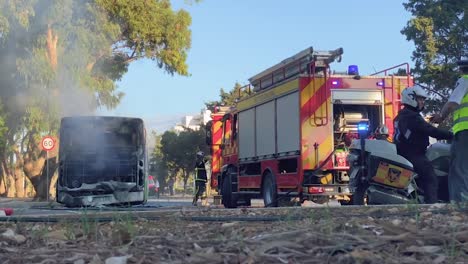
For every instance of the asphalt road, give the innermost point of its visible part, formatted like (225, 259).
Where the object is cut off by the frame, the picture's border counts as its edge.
(28, 207)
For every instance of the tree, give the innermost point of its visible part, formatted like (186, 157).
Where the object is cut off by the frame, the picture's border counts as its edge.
(158, 165)
(74, 52)
(179, 151)
(190, 141)
(229, 98)
(3, 130)
(439, 30)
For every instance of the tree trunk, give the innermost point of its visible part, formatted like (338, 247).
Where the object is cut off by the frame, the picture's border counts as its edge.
(52, 40)
(2, 187)
(42, 181)
(10, 186)
(8, 179)
(2, 182)
(185, 177)
(20, 183)
(52, 184)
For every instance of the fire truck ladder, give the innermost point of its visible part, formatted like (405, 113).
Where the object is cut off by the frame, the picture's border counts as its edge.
(307, 61)
(241, 91)
(394, 82)
(319, 97)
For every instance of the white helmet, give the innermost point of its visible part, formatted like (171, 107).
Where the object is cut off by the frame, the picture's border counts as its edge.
(410, 94)
(200, 153)
(382, 130)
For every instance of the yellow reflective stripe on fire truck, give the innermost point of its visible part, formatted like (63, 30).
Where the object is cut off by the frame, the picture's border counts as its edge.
(310, 90)
(217, 132)
(311, 133)
(268, 95)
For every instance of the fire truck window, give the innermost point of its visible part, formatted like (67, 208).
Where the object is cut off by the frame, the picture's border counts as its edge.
(250, 169)
(208, 136)
(287, 166)
(226, 133)
(346, 117)
(234, 127)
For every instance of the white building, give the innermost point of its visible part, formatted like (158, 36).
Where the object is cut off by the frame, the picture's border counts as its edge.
(194, 121)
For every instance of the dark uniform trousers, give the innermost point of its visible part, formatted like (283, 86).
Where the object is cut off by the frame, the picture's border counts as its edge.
(458, 176)
(427, 179)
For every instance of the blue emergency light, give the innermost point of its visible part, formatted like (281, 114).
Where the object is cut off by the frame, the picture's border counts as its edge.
(363, 127)
(353, 70)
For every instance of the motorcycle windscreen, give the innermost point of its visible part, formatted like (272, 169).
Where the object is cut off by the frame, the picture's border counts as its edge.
(392, 175)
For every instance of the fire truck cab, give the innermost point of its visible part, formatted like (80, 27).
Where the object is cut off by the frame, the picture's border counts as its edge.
(289, 138)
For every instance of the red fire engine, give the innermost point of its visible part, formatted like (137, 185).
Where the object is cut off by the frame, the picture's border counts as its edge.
(214, 138)
(289, 137)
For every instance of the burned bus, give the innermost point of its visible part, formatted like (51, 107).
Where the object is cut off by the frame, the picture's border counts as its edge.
(102, 161)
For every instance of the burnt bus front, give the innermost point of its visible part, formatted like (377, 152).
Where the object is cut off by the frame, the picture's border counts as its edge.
(102, 161)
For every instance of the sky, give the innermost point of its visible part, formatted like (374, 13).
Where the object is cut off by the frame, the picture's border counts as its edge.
(233, 40)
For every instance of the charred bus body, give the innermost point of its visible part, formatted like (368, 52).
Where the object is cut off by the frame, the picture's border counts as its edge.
(102, 161)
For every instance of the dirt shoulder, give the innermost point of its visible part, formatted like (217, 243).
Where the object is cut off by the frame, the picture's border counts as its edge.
(405, 234)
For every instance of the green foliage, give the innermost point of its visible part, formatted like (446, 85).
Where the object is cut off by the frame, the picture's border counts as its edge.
(63, 57)
(179, 150)
(153, 30)
(158, 166)
(3, 127)
(229, 98)
(439, 30)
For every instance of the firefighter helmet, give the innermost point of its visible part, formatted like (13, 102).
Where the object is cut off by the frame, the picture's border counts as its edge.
(382, 130)
(410, 94)
(200, 153)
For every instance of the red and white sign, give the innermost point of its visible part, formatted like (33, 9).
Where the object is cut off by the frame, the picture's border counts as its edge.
(47, 143)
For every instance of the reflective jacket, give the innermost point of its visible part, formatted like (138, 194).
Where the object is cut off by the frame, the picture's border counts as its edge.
(460, 116)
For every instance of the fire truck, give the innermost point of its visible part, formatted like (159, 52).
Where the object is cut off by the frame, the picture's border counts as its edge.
(214, 138)
(289, 138)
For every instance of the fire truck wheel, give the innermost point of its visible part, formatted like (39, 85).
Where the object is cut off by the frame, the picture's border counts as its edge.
(269, 192)
(227, 197)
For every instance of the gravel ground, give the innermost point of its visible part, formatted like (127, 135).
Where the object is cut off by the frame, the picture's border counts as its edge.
(390, 234)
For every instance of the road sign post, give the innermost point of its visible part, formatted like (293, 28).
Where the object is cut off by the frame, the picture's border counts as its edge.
(47, 144)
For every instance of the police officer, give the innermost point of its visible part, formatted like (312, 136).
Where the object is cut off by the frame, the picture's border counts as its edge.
(458, 104)
(200, 178)
(411, 137)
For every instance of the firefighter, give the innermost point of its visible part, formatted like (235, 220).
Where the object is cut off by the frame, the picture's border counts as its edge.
(458, 104)
(381, 133)
(200, 178)
(411, 136)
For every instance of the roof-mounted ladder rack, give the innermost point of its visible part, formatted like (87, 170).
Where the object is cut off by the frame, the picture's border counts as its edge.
(295, 65)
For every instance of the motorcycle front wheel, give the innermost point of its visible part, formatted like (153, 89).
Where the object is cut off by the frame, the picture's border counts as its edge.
(360, 195)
